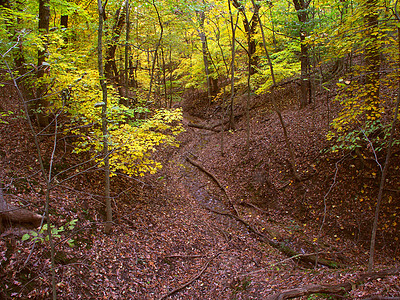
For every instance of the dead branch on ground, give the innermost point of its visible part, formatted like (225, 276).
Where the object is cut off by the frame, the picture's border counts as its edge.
(281, 246)
(337, 289)
(197, 276)
(205, 127)
(198, 165)
(213, 127)
(255, 207)
(182, 256)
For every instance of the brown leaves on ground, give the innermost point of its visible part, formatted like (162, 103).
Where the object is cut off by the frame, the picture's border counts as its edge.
(163, 237)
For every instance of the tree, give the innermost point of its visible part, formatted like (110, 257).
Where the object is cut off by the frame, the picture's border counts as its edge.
(104, 121)
(156, 49)
(302, 14)
(250, 27)
(110, 67)
(292, 160)
(40, 103)
(127, 61)
(233, 54)
(372, 55)
(204, 48)
(387, 159)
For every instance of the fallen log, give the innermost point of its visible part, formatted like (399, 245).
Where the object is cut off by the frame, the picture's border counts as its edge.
(337, 289)
(11, 214)
(274, 241)
(205, 127)
(213, 127)
(281, 246)
(197, 276)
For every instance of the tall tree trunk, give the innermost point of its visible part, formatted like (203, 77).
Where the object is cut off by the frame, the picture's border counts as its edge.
(301, 6)
(385, 168)
(250, 29)
(103, 84)
(48, 178)
(125, 74)
(164, 76)
(292, 160)
(204, 48)
(250, 71)
(156, 50)
(110, 67)
(40, 103)
(170, 77)
(18, 54)
(233, 54)
(64, 24)
(127, 48)
(372, 56)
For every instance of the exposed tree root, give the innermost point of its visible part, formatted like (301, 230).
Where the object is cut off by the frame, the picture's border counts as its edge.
(337, 289)
(197, 276)
(281, 246)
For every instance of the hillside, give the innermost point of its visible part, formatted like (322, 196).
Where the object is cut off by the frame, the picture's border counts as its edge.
(207, 226)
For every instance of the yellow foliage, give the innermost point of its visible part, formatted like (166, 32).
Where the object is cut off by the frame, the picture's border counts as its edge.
(131, 139)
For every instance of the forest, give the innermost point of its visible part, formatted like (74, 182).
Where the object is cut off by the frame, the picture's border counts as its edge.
(205, 149)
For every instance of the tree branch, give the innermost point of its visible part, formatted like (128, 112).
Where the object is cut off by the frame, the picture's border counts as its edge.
(190, 280)
(338, 289)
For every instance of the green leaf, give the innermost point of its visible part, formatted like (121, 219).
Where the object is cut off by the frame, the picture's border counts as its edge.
(26, 237)
(71, 243)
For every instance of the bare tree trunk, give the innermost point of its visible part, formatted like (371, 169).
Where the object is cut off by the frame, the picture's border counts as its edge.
(384, 174)
(250, 29)
(127, 50)
(372, 56)
(64, 24)
(204, 49)
(301, 6)
(249, 72)
(164, 78)
(48, 179)
(156, 51)
(110, 67)
(233, 27)
(103, 84)
(170, 77)
(40, 103)
(18, 55)
(278, 112)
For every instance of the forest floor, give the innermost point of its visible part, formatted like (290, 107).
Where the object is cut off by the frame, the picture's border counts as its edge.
(182, 234)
